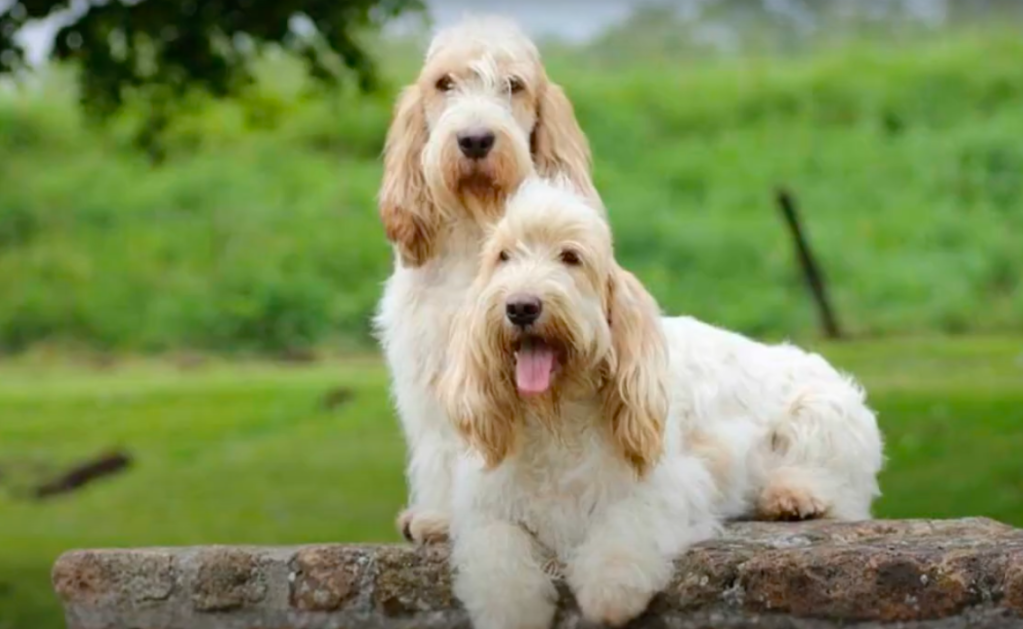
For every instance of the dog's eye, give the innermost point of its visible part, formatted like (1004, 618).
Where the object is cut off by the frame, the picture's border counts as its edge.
(516, 85)
(569, 257)
(503, 256)
(445, 83)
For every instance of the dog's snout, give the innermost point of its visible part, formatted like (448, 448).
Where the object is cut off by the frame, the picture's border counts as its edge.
(523, 310)
(476, 144)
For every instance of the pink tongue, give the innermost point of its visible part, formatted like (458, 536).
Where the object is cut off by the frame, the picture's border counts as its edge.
(533, 367)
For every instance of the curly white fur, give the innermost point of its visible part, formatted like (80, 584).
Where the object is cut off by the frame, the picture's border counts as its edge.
(482, 75)
(614, 439)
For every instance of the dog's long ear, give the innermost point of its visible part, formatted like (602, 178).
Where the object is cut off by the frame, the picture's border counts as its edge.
(474, 390)
(559, 145)
(636, 394)
(410, 217)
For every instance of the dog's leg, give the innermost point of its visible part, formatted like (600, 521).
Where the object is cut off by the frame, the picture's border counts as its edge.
(628, 555)
(821, 458)
(615, 580)
(429, 473)
(500, 577)
(432, 448)
(725, 452)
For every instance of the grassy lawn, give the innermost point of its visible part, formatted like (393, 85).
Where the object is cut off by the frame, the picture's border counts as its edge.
(253, 453)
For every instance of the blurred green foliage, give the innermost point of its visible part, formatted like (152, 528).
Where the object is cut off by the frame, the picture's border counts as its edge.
(710, 28)
(259, 232)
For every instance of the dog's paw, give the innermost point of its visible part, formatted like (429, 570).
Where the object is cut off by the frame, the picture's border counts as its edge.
(612, 604)
(790, 502)
(423, 526)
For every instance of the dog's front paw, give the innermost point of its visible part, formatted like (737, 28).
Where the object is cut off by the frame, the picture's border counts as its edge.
(423, 526)
(612, 603)
(790, 502)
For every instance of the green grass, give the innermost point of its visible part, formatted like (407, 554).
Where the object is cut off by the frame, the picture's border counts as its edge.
(229, 454)
(248, 453)
(260, 232)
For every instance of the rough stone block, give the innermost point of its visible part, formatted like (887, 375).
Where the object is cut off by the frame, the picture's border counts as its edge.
(324, 578)
(227, 579)
(914, 574)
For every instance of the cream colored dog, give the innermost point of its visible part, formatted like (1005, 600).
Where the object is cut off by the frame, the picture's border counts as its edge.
(481, 117)
(613, 439)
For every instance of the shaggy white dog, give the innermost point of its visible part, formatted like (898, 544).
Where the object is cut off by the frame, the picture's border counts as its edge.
(613, 439)
(480, 118)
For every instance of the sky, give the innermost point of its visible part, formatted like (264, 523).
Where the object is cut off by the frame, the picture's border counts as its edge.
(576, 20)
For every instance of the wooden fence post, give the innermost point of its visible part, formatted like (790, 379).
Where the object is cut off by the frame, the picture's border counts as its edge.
(811, 271)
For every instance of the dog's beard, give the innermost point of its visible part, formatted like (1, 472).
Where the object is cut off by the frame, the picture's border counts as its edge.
(478, 181)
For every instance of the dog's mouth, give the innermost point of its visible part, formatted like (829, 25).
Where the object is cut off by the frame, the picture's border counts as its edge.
(536, 361)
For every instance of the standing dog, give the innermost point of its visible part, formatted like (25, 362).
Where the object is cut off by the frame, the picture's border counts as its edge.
(615, 439)
(481, 117)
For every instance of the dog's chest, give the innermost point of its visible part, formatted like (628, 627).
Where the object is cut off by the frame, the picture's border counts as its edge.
(417, 309)
(560, 484)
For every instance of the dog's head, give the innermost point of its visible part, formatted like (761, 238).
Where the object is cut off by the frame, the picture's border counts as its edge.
(481, 117)
(552, 317)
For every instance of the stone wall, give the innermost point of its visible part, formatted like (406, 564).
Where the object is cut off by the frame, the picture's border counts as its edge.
(914, 573)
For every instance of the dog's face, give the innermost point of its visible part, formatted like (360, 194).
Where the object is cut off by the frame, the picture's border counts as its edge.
(542, 295)
(552, 316)
(481, 117)
(480, 108)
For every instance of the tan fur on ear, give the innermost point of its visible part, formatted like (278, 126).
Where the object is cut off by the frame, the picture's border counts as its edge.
(411, 220)
(482, 411)
(636, 394)
(558, 143)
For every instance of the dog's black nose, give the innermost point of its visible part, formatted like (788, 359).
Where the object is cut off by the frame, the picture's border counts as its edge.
(523, 310)
(476, 144)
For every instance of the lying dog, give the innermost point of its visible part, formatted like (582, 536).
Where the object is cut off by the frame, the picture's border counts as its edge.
(613, 438)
